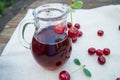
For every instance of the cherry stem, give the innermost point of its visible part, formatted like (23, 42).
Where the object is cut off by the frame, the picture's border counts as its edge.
(75, 70)
(82, 66)
(71, 14)
(71, 20)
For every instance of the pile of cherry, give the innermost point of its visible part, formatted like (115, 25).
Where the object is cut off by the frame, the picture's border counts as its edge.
(73, 31)
(100, 53)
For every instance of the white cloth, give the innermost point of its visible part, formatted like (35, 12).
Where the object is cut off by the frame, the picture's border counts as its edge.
(17, 62)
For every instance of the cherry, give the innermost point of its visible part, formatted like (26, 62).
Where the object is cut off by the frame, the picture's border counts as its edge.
(106, 51)
(64, 75)
(73, 32)
(69, 24)
(77, 25)
(59, 28)
(119, 27)
(118, 78)
(100, 32)
(79, 34)
(99, 52)
(91, 51)
(74, 39)
(101, 60)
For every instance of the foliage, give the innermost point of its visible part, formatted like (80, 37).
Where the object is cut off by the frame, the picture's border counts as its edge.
(5, 4)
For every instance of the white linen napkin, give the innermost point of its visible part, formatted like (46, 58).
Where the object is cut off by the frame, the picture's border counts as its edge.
(17, 62)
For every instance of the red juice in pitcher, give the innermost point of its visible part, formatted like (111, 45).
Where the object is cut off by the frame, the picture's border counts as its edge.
(51, 50)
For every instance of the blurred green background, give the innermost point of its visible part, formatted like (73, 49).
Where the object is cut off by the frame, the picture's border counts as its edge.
(4, 4)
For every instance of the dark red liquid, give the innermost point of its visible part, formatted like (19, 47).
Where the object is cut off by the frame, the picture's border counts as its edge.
(51, 50)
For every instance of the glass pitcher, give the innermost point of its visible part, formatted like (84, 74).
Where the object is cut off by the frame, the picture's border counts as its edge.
(50, 48)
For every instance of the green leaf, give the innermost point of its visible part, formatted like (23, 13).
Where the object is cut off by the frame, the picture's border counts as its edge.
(77, 62)
(77, 4)
(87, 72)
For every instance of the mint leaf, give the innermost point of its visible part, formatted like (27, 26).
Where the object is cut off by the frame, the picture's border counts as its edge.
(87, 72)
(77, 62)
(77, 4)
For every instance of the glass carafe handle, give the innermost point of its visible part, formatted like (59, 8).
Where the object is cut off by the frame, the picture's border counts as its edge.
(21, 34)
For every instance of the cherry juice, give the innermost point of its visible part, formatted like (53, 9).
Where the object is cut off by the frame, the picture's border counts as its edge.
(51, 50)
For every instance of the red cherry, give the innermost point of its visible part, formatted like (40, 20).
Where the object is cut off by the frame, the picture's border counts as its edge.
(101, 60)
(64, 75)
(91, 51)
(106, 51)
(77, 25)
(73, 32)
(80, 33)
(100, 32)
(69, 24)
(59, 28)
(99, 52)
(74, 39)
(118, 78)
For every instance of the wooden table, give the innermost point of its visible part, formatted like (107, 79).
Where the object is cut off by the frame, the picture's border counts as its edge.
(11, 25)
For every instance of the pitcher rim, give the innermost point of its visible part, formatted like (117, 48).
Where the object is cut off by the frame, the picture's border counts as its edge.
(65, 12)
